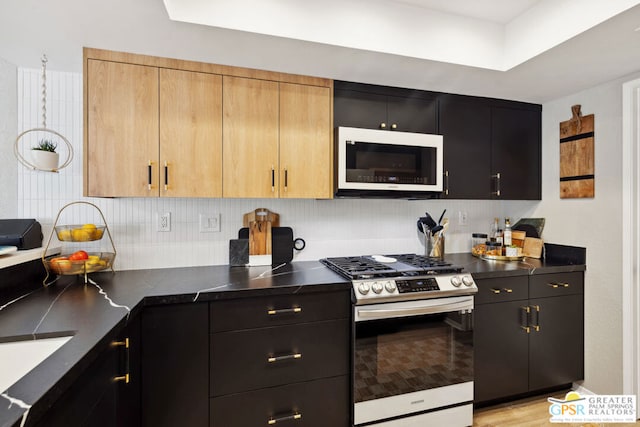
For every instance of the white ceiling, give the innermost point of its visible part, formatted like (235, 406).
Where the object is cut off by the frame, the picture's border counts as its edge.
(595, 49)
(499, 11)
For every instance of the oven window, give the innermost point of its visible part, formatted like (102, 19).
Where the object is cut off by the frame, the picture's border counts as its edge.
(404, 355)
(393, 164)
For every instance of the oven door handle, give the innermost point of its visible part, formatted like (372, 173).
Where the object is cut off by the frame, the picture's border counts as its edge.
(373, 313)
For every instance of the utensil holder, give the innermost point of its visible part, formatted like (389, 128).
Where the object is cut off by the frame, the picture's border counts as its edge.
(437, 246)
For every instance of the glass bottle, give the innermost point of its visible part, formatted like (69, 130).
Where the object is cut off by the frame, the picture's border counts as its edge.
(507, 232)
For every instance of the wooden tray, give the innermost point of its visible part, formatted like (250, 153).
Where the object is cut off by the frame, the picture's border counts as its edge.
(499, 257)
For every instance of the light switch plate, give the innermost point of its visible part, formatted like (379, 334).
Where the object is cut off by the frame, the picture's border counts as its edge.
(209, 223)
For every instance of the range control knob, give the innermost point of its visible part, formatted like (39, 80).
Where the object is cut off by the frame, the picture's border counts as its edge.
(455, 281)
(390, 286)
(363, 288)
(377, 287)
(467, 280)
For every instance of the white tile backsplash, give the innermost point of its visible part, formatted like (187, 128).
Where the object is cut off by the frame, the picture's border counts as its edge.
(330, 227)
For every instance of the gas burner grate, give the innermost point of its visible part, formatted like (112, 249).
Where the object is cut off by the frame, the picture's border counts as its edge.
(358, 267)
(420, 261)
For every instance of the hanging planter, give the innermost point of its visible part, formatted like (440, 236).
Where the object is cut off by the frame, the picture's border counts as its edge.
(43, 155)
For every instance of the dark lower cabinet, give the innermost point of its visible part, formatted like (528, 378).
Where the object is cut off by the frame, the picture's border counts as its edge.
(528, 334)
(175, 365)
(286, 363)
(104, 395)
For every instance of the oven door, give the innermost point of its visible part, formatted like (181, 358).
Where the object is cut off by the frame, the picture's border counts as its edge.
(413, 358)
(393, 161)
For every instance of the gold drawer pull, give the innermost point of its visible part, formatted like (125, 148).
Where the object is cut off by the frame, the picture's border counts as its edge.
(273, 359)
(526, 328)
(124, 343)
(495, 291)
(273, 312)
(558, 285)
(295, 416)
(124, 378)
(507, 290)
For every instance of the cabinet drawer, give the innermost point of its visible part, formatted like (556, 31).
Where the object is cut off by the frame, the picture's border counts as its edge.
(267, 357)
(277, 310)
(501, 289)
(549, 285)
(319, 403)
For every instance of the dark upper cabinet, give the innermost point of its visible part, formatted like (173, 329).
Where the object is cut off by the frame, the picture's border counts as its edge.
(465, 124)
(516, 153)
(379, 107)
(492, 147)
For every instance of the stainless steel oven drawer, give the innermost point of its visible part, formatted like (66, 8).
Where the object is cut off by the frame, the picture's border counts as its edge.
(267, 357)
(320, 403)
(274, 310)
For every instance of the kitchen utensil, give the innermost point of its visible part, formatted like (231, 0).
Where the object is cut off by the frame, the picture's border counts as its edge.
(441, 216)
(239, 251)
(261, 214)
(260, 223)
(436, 229)
(532, 247)
(428, 220)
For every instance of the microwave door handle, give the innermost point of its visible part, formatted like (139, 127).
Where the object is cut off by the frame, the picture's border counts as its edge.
(365, 313)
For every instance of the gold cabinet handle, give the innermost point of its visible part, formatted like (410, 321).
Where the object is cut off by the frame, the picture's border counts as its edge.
(272, 359)
(507, 290)
(394, 126)
(294, 416)
(535, 309)
(383, 125)
(497, 177)
(273, 312)
(149, 175)
(125, 344)
(166, 176)
(286, 179)
(273, 179)
(495, 291)
(446, 183)
(558, 285)
(524, 318)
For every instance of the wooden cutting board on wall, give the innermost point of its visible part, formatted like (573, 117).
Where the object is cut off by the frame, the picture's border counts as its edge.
(577, 156)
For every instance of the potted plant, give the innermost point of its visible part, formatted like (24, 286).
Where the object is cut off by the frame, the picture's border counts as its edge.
(44, 155)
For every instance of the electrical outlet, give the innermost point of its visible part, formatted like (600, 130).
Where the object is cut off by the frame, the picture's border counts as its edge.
(164, 221)
(210, 223)
(462, 218)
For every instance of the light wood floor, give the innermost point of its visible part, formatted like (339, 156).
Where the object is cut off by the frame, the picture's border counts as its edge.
(531, 412)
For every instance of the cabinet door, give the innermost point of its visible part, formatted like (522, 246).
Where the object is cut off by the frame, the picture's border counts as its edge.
(190, 134)
(128, 407)
(250, 137)
(465, 125)
(305, 142)
(121, 141)
(412, 114)
(501, 363)
(556, 350)
(359, 109)
(516, 153)
(175, 365)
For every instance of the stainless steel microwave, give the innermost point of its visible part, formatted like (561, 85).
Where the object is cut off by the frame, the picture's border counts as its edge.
(383, 163)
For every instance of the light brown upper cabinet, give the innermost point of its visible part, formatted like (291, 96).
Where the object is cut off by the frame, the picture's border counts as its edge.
(173, 128)
(122, 130)
(277, 139)
(153, 132)
(190, 134)
(250, 138)
(305, 141)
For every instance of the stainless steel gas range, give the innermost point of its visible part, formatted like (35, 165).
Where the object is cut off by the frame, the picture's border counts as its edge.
(413, 359)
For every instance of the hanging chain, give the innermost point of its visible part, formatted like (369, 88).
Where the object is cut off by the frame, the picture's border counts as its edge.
(44, 91)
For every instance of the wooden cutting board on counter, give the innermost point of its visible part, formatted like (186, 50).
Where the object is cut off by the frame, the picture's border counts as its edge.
(259, 223)
(577, 156)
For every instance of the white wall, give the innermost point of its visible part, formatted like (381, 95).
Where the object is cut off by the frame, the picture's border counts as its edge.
(330, 227)
(592, 223)
(8, 133)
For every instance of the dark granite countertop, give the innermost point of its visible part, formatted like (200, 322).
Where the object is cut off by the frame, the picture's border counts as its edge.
(96, 312)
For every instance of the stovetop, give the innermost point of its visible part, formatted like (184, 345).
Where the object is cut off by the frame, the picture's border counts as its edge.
(380, 266)
(390, 278)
